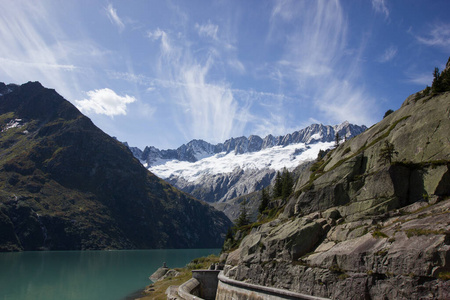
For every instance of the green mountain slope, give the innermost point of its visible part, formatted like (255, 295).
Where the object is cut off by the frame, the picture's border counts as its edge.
(65, 184)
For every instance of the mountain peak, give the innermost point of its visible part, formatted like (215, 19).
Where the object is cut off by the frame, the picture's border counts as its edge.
(199, 149)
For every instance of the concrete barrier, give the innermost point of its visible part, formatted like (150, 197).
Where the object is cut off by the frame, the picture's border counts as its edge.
(190, 290)
(237, 290)
(208, 283)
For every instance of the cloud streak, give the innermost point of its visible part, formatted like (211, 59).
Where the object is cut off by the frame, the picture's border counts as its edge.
(380, 7)
(26, 54)
(209, 30)
(202, 108)
(315, 57)
(111, 12)
(388, 54)
(439, 36)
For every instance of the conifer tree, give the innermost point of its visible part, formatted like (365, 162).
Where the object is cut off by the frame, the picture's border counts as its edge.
(264, 201)
(436, 86)
(387, 113)
(243, 216)
(287, 184)
(336, 140)
(387, 152)
(278, 187)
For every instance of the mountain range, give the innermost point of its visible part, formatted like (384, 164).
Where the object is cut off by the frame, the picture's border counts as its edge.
(220, 173)
(66, 185)
(197, 150)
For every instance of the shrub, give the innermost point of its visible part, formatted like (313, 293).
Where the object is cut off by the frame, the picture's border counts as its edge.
(387, 113)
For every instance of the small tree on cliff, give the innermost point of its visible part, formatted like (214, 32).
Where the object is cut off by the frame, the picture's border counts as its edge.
(287, 184)
(387, 152)
(336, 140)
(278, 187)
(264, 200)
(387, 113)
(243, 220)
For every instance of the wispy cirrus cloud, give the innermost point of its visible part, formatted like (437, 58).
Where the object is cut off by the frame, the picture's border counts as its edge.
(106, 102)
(388, 54)
(159, 34)
(111, 12)
(202, 108)
(209, 29)
(316, 56)
(422, 79)
(380, 7)
(438, 35)
(26, 53)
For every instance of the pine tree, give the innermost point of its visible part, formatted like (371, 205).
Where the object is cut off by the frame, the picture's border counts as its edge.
(243, 216)
(436, 86)
(287, 184)
(387, 113)
(264, 201)
(320, 155)
(278, 187)
(387, 152)
(336, 140)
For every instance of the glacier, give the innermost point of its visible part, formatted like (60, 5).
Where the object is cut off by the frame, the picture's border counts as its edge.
(275, 158)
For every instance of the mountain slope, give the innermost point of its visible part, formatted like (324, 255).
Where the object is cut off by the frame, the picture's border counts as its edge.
(361, 227)
(67, 185)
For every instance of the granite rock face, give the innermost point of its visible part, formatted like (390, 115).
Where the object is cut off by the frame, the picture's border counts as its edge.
(357, 227)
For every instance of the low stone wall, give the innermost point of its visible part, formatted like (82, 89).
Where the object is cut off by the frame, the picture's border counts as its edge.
(238, 290)
(190, 290)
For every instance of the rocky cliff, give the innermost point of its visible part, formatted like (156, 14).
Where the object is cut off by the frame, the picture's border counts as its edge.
(65, 184)
(359, 226)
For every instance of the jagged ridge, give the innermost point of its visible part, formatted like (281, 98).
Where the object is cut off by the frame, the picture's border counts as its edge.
(199, 149)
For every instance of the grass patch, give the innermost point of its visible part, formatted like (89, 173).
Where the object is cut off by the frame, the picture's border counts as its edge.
(444, 276)
(379, 234)
(158, 289)
(418, 232)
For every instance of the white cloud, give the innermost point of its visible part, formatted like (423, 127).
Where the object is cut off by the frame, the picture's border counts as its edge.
(439, 35)
(388, 54)
(104, 101)
(113, 17)
(208, 29)
(380, 7)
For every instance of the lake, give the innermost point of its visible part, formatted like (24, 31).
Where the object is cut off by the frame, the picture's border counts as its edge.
(85, 275)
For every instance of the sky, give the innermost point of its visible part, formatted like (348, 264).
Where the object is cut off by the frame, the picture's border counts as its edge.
(161, 73)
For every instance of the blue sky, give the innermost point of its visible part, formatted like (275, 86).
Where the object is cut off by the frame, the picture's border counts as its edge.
(163, 73)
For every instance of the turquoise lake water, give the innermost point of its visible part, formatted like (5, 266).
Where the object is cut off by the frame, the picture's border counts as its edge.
(85, 275)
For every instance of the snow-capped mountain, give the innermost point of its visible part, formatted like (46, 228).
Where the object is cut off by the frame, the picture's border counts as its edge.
(217, 173)
(197, 150)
